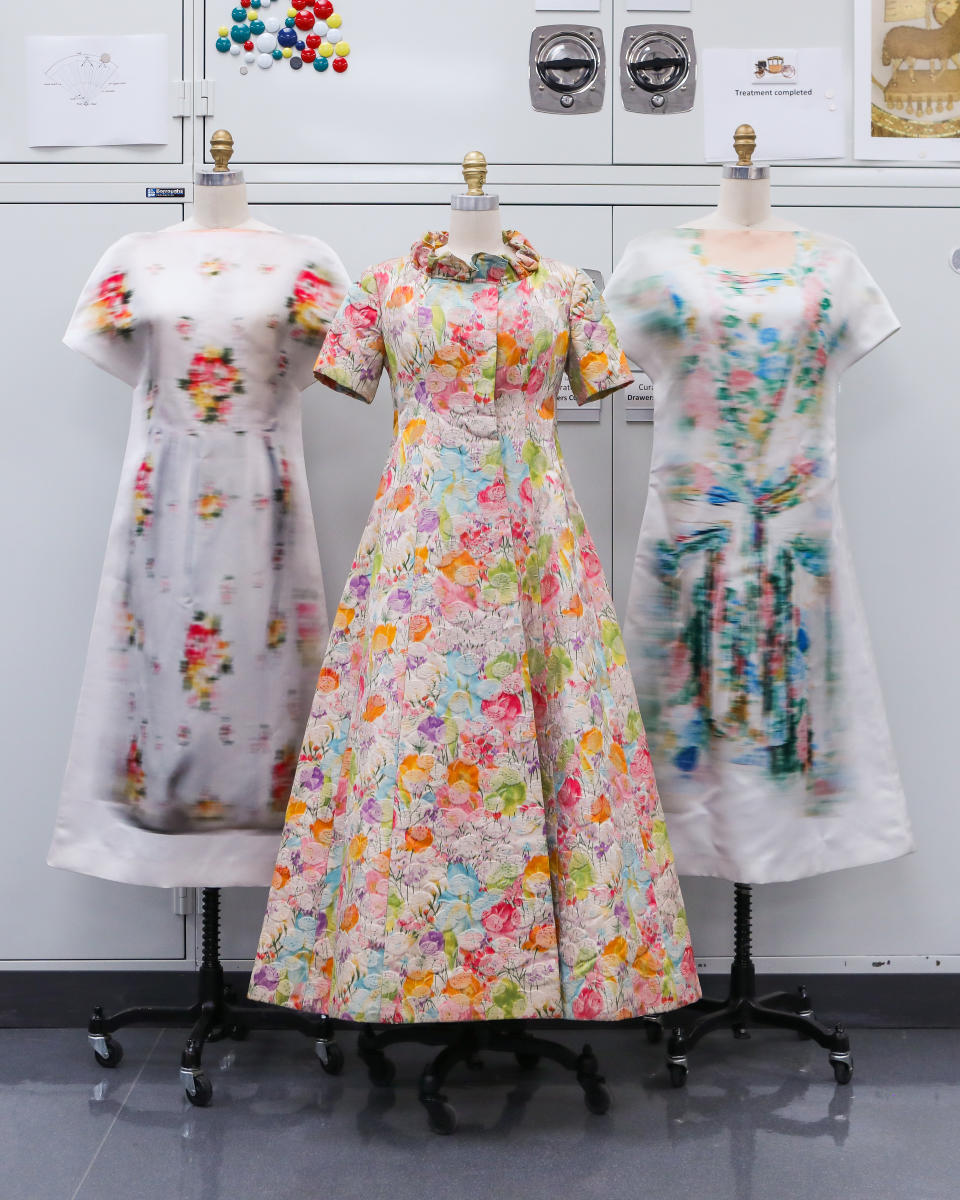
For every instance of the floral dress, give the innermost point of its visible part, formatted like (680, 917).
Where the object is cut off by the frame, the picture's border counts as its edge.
(474, 831)
(744, 625)
(211, 621)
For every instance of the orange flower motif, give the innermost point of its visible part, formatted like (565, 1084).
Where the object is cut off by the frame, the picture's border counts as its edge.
(460, 568)
(420, 626)
(618, 760)
(418, 838)
(463, 983)
(536, 874)
(322, 832)
(400, 296)
(295, 808)
(449, 360)
(594, 366)
(575, 609)
(343, 618)
(646, 962)
(460, 771)
(616, 949)
(547, 408)
(542, 937)
(413, 774)
(328, 681)
(382, 638)
(591, 741)
(420, 560)
(600, 809)
(418, 984)
(350, 917)
(376, 707)
(413, 431)
(402, 498)
(358, 843)
(281, 877)
(509, 353)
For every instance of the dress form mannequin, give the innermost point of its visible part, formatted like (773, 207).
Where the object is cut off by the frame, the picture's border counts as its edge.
(220, 195)
(747, 234)
(474, 217)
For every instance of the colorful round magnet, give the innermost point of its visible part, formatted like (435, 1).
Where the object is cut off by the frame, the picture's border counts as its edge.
(321, 64)
(239, 14)
(266, 42)
(234, 48)
(342, 48)
(287, 51)
(305, 20)
(248, 46)
(340, 64)
(325, 49)
(334, 20)
(323, 9)
(223, 44)
(278, 53)
(296, 62)
(313, 40)
(239, 33)
(265, 60)
(308, 55)
(257, 27)
(273, 24)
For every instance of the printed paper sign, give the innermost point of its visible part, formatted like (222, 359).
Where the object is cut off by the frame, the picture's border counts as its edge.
(110, 90)
(795, 99)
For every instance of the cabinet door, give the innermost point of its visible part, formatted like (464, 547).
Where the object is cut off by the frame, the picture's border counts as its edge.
(347, 442)
(898, 432)
(65, 431)
(678, 138)
(425, 83)
(64, 18)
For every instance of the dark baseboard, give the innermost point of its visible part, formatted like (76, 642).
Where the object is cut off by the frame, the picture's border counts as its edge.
(64, 999)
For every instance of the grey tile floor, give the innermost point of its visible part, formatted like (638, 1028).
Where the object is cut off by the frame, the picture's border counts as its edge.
(759, 1120)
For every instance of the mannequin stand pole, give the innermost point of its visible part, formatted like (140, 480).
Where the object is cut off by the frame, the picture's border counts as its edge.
(216, 1014)
(742, 1007)
(461, 1044)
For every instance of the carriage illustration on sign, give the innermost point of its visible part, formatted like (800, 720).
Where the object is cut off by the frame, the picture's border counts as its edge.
(776, 65)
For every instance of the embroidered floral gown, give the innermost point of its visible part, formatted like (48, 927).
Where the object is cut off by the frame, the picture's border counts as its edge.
(744, 626)
(474, 831)
(211, 621)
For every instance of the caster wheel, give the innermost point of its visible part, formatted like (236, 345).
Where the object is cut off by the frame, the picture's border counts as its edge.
(842, 1070)
(380, 1070)
(596, 1097)
(202, 1092)
(527, 1062)
(441, 1115)
(113, 1056)
(330, 1055)
(654, 1033)
(678, 1074)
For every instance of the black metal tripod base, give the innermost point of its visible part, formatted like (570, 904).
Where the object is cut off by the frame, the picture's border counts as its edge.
(216, 1014)
(463, 1044)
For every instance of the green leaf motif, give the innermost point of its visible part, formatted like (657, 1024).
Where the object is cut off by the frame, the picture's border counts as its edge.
(509, 997)
(536, 461)
(439, 321)
(559, 669)
(504, 663)
(612, 639)
(585, 960)
(581, 874)
(450, 948)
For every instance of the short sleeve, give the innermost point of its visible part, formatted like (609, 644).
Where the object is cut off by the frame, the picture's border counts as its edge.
(863, 317)
(105, 326)
(351, 360)
(318, 288)
(596, 365)
(646, 314)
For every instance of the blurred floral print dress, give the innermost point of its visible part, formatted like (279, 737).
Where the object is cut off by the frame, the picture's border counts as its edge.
(474, 831)
(744, 625)
(211, 621)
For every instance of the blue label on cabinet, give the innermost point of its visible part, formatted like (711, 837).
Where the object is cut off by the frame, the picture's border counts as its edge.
(166, 193)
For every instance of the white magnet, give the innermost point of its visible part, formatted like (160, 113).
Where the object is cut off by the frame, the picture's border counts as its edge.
(250, 56)
(265, 60)
(234, 49)
(273, 24)
(320, 27)
(266, 42)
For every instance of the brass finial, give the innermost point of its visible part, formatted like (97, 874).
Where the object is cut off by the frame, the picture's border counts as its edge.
(744, 142)
(221, 148)
(474, 172)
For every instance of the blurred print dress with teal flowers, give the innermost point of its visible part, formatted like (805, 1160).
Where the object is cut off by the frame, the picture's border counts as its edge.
(211, 619)
(744, 626)
(474, 830)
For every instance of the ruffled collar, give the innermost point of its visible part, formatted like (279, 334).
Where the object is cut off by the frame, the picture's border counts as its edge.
(518, 259)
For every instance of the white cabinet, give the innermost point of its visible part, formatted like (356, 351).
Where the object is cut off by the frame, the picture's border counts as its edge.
(425, 83)
(65, 427)
(899, 427)
(63, 17)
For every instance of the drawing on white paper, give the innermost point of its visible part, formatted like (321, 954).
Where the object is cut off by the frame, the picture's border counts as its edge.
(98, 89)
(84, 76)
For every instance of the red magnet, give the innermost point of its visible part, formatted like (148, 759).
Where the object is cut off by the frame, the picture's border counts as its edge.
(323, 9)
(314, 40)
(305, 20)
(298, 4)
(340, 64)
(248, 45)
(308, 55)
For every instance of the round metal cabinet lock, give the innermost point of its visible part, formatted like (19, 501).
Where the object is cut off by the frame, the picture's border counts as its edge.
(658, 62)
(658, 69)
(566, 69)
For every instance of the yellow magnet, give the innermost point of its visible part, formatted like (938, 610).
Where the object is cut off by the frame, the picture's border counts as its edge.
(325, 49)
(287, 51)
(334, 21)
(291, 12)
(224, 31)
(343, 49)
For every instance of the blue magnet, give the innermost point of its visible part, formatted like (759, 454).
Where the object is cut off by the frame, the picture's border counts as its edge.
(278, 53)
(286, 37)
(239, 33)
(296, 63)
(239, 14)
(223, 45)
(320, 63)
(301, 45)
(256, 28)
